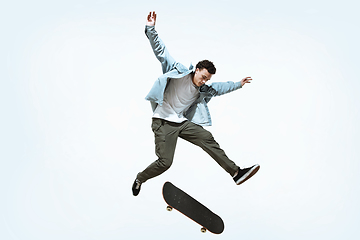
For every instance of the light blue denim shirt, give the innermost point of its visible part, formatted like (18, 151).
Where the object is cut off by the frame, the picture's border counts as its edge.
(198, 112)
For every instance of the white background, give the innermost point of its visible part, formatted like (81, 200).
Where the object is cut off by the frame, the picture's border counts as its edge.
(75, 128)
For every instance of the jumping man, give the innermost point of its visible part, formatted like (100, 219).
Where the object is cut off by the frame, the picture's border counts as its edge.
(179, 102)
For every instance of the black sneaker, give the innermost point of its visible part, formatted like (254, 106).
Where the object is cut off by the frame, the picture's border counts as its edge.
(245, 174)
(136, 187)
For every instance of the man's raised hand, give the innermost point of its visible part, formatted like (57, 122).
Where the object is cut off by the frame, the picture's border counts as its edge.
(246, 80)
(151, 19)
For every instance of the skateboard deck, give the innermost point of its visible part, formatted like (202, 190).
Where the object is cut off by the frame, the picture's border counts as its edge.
(190, 207)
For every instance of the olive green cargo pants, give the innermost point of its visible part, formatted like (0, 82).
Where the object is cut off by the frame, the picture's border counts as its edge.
(166, 135)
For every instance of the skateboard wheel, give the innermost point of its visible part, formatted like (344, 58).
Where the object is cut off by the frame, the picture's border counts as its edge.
(169, 208)
(203, 230)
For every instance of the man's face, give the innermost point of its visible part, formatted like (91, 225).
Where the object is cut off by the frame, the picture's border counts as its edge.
(201, 77)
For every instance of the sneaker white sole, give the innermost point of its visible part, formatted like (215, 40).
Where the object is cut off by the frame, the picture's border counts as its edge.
(248, 175)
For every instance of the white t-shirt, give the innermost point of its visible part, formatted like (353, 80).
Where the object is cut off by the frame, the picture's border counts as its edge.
(178, 97)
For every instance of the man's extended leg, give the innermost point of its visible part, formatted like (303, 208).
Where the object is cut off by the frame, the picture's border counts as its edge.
(201, 137)
(166, 134)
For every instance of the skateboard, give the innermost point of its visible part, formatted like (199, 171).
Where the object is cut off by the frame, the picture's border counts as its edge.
(190, 207)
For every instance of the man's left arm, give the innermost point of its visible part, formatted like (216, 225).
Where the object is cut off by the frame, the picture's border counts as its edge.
(226, 87)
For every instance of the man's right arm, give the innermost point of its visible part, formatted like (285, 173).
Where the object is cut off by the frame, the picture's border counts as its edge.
(158, 46)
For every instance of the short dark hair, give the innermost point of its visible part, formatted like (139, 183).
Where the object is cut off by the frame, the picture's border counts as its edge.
(208, 65)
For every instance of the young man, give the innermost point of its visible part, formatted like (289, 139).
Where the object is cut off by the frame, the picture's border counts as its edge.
(179, 101)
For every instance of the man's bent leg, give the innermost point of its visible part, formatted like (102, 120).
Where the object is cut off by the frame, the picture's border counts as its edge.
(199, 136)
(165, 142)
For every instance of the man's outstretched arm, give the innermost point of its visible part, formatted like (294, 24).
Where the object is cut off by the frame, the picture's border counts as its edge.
(227, 87)
(158, 46)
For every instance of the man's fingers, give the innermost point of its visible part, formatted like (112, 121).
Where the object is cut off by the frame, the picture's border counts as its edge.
(151, 16)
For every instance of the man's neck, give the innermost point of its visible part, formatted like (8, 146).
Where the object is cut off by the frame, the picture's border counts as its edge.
(192, 78)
